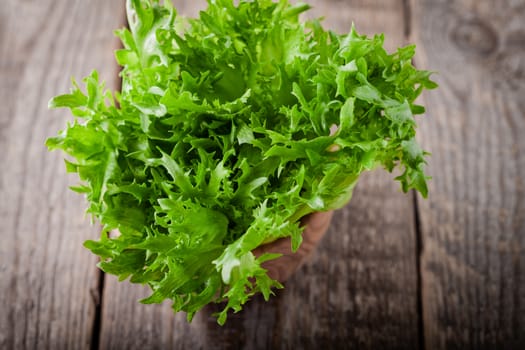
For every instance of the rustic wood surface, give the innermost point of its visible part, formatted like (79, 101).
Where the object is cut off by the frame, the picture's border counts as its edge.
(394, 271)
(49, 282)
(473, 224)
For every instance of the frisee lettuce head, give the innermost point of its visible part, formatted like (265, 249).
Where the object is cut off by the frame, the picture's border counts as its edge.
(227, 130)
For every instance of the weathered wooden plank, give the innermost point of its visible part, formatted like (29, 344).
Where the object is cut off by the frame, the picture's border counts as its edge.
(473, 224)
(48, 288)
(359, 290)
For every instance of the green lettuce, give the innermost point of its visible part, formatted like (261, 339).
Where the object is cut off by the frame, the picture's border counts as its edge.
(227, 130)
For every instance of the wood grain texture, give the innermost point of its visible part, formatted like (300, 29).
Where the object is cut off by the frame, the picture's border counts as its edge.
(48, 284)
(359, 289)
(473, 225)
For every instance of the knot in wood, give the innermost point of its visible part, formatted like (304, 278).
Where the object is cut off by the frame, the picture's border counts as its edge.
(475, 36)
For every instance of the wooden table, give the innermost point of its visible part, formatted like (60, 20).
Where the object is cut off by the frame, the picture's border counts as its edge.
(395, 271)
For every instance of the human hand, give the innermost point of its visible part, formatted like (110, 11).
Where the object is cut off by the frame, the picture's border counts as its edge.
(316, 225)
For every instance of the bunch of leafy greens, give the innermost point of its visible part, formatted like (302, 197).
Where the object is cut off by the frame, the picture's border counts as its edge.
(227, 130)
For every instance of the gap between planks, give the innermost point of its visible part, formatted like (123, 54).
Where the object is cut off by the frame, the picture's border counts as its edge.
(97, 320)
(407, 31)
(99, 307)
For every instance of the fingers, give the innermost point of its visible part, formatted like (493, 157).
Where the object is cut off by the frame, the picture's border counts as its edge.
(316, 225)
